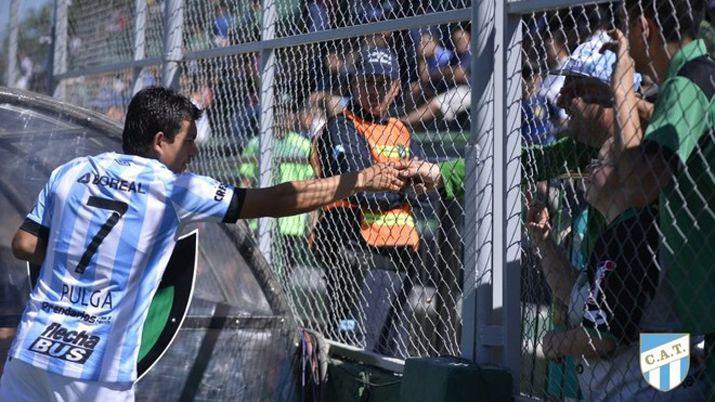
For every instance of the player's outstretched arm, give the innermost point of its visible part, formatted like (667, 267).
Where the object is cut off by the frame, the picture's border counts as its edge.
(302, 196)
(28, 247)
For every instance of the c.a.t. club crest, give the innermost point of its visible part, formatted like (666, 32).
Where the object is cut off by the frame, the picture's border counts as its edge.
(665, 359)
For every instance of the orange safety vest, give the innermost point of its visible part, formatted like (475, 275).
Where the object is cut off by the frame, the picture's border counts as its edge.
(387, 142)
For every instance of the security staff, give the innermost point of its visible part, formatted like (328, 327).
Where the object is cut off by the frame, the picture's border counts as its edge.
(366, 231)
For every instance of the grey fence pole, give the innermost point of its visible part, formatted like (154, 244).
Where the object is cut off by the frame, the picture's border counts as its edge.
(507, 194)
(59, 59)
(140, 10)
(491, 332)
(173, 37)
(11, 77)
(265, 162)
(476, 306)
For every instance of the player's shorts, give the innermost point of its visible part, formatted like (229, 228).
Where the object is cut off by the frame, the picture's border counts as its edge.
(22, 382)
(455, 101)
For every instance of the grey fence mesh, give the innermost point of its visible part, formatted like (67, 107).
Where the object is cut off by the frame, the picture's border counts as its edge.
(599, 268)
(109, 93)
(606, 254)
(154, 28)
(312, 83)
(107, 39)
(297, 17)
(32, 46)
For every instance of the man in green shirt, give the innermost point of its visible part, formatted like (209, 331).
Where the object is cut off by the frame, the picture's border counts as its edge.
(586, 95)
(673, 160)
(676, 147)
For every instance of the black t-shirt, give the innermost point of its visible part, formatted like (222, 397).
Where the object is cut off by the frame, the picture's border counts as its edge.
(623, 275)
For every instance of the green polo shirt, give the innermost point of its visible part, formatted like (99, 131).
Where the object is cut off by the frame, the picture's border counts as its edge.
(682, 123)
(452, 178)
(540, 162)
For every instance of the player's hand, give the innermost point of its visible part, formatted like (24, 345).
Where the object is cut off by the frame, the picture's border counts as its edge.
(537, 222)
(624, 72)
(422, 176)
(382, 177)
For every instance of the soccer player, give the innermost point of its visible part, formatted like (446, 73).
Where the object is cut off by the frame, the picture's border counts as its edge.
(103, 229)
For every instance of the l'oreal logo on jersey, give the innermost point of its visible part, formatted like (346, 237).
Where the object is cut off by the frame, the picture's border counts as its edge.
(117, 184)
(72, 346)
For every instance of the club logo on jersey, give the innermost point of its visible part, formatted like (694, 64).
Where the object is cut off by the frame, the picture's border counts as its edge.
(665, 359)
(70, 312)
(220, 192)
(72, 346)
(117, 184)
(81, 296)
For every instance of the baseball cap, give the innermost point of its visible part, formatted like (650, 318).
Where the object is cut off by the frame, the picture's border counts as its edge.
(589, 62)
(377, 61)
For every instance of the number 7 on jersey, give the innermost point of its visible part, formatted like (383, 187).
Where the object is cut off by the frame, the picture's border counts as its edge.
(119, 209)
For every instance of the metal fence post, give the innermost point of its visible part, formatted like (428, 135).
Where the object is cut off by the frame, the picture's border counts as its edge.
(140, 10)
(173, 41)
(491, 331)
(59, 59)
(11, 77)
(507, 194)
(268, 64)
(476, 306)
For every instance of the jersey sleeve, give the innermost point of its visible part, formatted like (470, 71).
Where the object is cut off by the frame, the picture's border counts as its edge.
(200, 198)
(545, 162)
(680, 118)
(453, 178)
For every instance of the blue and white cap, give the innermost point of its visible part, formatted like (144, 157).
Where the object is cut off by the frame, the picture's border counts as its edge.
(589, 62)
(377, 61)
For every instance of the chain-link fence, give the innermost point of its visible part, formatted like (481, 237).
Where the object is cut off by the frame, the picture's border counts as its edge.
(617, 176)
(26, 53)
(588, 191)
(266, 108)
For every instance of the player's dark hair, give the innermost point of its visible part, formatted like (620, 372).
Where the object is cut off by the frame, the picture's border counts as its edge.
(152, 110)
(675, 18)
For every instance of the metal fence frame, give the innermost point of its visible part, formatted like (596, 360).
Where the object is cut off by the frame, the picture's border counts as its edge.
(491, 332)
(492, 329)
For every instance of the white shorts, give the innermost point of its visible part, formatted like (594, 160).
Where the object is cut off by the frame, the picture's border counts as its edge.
(454, 101)
(22, 382)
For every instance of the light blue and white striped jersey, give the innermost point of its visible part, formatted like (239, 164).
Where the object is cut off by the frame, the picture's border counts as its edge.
(111, 222)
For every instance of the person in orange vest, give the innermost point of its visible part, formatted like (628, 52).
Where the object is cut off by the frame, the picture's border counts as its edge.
(367, 231)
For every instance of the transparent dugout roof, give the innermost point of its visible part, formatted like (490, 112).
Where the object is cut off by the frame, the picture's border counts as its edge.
(36, 136)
